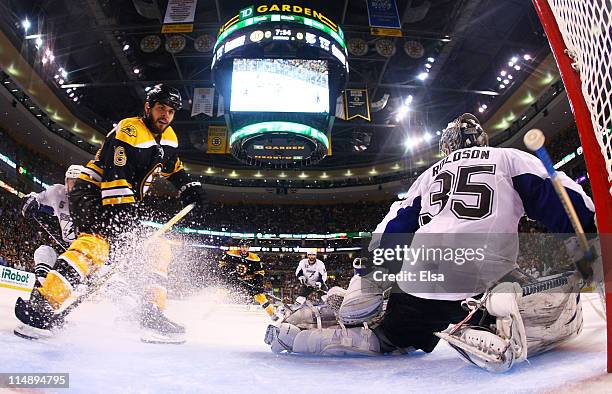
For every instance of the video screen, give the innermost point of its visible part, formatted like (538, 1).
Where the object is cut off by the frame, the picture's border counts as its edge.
(280, 85)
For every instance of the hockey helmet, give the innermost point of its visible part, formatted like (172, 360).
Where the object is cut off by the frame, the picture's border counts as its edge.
(463, 132)
(73, 171)
(165, 94)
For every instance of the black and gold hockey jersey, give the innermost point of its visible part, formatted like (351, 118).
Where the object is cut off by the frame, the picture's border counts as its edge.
(245, 267)
(130, 158)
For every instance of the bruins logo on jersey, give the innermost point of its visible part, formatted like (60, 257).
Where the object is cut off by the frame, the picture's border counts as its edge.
(241, 269)
(129, 130)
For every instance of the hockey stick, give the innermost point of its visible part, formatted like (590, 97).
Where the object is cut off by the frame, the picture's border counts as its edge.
(102, 279)
(534, 141)
(44, 227)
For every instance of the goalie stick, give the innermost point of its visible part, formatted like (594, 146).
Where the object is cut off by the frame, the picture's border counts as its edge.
(534, 141)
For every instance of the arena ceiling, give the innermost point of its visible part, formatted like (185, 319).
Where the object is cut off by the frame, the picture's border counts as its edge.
(98, 44)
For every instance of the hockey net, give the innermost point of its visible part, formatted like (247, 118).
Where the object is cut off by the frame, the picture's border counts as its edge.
(580, 36)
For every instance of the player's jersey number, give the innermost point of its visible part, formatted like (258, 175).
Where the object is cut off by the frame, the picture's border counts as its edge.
(453, 186)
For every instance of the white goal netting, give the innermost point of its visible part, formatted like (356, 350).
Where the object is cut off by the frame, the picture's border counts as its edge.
(586, 27)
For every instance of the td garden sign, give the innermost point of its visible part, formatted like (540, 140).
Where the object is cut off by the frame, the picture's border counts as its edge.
(280, 8)
(280, 68)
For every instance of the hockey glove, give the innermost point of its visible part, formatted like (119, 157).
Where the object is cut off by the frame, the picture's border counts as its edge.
(302, 280)
(30, 207)
(193, 193)
(318, 285)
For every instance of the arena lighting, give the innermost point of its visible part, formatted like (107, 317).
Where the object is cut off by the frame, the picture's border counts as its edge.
(233, 174)
(348, 173)
(38, 42)
(324, 176)
(337, 36)
(275, 127)
(63, 73)
(136, 70)
(422, 76)
(503, 73)
(373, 171)
(499, 79)
(517, 67)
(408, 100)
(258, 174)
(484, 106)
(26, 24)
(126, 47)
(303, 175)
(431, 59)
(527, 57)
(514, 59)
(427, 65)
(427, 137)
(501, 86)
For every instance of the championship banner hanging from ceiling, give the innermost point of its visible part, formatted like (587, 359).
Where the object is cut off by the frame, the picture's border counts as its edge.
(203, 101)
(217, 140)
(357, 104)
(179, 16)
(383, 18)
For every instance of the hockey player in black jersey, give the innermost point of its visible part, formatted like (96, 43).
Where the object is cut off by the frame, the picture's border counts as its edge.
(243, 269)
(104, 207)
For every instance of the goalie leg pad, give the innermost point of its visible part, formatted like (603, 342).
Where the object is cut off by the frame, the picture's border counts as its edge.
(281, 338)
(362, 303)
(553, 316)
(308, 316)
(354, 341)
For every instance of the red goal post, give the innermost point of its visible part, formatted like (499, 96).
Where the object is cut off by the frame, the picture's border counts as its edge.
(580, 35)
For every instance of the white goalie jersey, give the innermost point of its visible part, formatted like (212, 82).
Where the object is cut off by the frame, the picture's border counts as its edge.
(481, 190)
(56, 201)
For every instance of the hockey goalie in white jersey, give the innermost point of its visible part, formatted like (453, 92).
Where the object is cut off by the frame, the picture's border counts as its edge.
(474, 192)
(52, 201)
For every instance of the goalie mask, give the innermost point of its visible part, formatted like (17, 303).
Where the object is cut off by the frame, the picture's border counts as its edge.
(463, 132)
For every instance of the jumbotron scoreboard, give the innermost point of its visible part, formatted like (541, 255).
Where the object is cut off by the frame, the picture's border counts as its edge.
(280, 69)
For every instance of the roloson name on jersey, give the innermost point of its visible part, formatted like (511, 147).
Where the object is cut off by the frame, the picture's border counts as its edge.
(460, 155)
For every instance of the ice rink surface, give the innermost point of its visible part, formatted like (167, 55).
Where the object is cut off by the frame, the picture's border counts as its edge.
(225, 353)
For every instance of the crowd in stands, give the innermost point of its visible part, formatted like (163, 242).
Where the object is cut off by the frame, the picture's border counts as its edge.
(43, 168)
(19, 238)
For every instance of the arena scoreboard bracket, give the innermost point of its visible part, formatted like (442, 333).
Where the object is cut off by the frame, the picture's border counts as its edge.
(280, 69)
